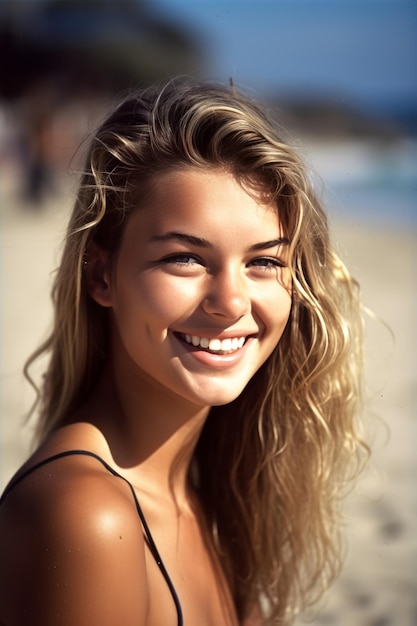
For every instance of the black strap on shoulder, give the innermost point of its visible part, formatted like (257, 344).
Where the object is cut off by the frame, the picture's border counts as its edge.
(150, 541)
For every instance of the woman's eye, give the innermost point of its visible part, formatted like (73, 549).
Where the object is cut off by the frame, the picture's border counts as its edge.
(181, 259)
(267, 263)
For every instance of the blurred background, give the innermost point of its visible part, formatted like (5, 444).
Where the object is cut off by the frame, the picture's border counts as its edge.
(340, 75)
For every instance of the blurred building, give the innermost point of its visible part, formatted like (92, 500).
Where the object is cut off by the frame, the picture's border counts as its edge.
(89, 44)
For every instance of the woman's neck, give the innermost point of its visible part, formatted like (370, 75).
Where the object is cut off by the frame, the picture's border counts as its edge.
(151, 436)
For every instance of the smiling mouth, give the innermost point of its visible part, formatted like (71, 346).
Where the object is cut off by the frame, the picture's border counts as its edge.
(215, 346)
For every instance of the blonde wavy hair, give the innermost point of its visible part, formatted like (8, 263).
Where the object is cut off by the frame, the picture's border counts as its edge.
(272, 468)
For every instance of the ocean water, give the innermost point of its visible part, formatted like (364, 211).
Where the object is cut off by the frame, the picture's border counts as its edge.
(369, 181)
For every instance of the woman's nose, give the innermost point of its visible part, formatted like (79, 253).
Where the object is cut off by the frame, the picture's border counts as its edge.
(227, 295)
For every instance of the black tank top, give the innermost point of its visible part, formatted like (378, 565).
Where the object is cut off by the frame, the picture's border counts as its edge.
(151, 543)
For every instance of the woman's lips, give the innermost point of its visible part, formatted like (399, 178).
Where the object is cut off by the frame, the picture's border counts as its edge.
(212, 358)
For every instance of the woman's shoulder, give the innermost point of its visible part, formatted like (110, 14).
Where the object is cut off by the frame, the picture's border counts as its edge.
(66, 517)
(67, 472)
(73, 489)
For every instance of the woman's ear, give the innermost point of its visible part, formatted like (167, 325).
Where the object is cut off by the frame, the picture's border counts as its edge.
(97, 274)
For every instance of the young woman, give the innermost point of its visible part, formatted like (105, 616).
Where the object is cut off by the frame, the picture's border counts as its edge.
(197, 417)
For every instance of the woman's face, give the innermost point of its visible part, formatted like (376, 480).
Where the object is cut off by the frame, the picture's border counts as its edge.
(199, 292)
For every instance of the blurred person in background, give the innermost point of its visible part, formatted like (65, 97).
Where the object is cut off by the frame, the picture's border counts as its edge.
(67, 56)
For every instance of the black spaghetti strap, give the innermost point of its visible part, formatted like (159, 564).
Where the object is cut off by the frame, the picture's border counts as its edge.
(151, 543)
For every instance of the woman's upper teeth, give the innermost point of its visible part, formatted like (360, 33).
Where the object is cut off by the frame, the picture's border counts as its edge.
(216, 345)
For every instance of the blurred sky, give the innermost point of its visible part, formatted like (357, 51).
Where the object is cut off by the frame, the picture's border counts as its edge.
(364, 50)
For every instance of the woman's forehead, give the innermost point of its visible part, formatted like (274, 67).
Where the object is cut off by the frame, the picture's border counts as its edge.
(206, 201)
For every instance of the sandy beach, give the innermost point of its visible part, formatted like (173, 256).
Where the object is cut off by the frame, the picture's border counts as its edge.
(378, 584)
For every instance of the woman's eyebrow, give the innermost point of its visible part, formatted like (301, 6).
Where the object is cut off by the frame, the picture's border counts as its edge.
(204, 243)
(191, 239)
(273, 243)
